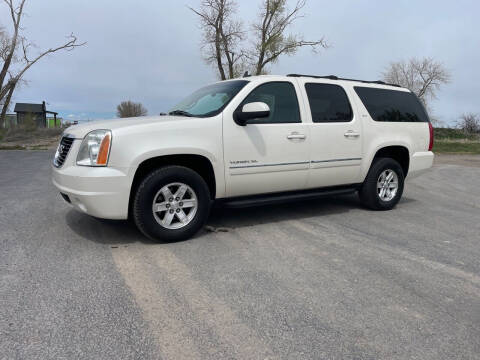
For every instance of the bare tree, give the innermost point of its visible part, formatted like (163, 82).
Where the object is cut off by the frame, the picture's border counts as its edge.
(6, 103)
(424, 77)
(469, 123)
(224, 36)
(271, 38)
(5, 43)
(130, 109)
(15, 65)
(221, 36)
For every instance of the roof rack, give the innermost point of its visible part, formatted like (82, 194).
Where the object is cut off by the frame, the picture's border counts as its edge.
(333, 77)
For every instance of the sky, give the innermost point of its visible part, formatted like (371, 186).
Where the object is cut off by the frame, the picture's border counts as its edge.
(149, 51)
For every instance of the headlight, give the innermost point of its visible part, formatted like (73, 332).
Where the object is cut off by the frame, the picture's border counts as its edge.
(95, 148)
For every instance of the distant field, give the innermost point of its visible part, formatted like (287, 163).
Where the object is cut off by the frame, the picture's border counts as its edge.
(456, 147)
(456, 141)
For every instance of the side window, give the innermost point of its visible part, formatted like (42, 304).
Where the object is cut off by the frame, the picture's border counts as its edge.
(392, 105)
(281, 98)
(328, 103)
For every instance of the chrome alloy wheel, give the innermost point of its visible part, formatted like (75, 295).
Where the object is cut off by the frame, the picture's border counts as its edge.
(175, 205)
(387, 185)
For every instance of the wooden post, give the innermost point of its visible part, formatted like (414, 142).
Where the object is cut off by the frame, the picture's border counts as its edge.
(55, 120)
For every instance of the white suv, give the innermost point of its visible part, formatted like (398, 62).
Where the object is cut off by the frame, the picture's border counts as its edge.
(254, 140)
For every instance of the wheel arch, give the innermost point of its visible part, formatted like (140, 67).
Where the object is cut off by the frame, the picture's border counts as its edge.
(198, 163)
(399, 153)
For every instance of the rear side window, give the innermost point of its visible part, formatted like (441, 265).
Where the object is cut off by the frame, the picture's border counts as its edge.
(281, 98)
(392, 105)
(328, 103)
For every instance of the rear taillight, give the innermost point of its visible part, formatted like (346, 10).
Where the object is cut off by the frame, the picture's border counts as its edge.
(430, 129)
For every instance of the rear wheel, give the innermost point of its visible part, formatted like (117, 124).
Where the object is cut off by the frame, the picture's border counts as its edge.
(383, 186)
(171, 204)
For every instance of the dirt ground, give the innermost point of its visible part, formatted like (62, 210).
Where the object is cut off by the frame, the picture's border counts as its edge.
(43, 144)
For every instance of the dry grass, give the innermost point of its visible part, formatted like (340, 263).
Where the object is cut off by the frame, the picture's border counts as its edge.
(29, 138)
(456, 141)
(456, 147)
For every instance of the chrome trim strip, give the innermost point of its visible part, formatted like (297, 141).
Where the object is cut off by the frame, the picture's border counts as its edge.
(264, 165)
(293, 163)
(333, 160)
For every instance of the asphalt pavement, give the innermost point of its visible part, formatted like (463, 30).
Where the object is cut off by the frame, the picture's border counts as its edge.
(324, 279)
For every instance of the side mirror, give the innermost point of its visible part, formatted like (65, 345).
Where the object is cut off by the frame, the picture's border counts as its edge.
(251, 111)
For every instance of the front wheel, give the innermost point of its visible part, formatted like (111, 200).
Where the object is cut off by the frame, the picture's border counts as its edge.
(383, 186)
(171, 204)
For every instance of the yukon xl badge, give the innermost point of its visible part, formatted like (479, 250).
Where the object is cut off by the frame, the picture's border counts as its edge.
(242, 162)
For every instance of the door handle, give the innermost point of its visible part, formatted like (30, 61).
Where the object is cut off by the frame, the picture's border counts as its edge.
(351, 134)
(296, 136)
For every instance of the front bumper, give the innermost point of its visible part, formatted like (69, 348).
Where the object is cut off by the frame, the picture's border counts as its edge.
(102, 192)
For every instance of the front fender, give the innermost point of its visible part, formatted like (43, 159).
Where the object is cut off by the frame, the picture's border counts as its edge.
(132, 146)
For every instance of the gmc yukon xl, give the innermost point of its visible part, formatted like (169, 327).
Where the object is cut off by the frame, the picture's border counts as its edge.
(247, 141)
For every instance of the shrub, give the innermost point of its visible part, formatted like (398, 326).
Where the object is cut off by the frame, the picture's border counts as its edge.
(469, 123)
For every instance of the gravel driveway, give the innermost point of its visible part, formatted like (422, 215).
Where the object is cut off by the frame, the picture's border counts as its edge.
(314, 280)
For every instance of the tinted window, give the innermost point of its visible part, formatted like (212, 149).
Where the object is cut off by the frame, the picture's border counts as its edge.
(392, 105)
(328, 103)
(282, 100)
(211, 100)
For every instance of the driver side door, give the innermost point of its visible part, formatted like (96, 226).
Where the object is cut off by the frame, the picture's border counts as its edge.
(268, 154)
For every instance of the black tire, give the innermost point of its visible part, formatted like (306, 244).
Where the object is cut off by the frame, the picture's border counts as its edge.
(369, 194)
(147, 190)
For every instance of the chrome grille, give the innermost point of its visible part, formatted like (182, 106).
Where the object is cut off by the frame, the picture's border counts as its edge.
(62, 150)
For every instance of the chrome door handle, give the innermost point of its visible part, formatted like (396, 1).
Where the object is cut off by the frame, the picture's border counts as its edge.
(295, 135)
(351, 133)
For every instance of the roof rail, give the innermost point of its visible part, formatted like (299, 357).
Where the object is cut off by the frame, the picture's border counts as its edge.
(333, 77)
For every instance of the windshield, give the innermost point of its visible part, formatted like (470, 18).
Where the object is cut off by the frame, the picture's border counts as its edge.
(209, 100)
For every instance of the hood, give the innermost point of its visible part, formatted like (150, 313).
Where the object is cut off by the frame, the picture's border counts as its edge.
(79, 131)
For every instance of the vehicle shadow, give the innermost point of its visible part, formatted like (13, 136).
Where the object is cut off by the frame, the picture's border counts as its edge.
(108, 232)
(225, 218)
(237, 218)
(122, 232)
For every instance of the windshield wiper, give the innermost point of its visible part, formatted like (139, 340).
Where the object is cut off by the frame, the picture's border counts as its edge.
(180, 113)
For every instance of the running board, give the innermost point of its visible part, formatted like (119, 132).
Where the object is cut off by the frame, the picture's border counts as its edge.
(269, 199)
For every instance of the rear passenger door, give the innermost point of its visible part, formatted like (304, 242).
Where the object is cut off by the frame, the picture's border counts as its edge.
(336, 132)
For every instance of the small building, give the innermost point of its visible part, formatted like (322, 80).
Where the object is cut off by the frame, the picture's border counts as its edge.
(33, 112)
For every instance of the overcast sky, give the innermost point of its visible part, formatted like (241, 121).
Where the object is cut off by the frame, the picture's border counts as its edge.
(148, 51)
